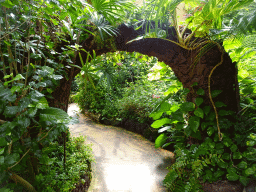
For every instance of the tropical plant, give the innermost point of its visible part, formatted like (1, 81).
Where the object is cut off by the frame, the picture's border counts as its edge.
(39, 40)
(193, 124)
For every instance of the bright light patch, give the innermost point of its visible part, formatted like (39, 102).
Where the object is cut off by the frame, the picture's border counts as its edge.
(128, 178)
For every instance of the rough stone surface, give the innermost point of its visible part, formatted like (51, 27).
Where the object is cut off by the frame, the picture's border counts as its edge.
(223, 186)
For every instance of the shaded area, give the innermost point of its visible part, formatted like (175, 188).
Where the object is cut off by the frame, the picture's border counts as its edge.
(125, 161)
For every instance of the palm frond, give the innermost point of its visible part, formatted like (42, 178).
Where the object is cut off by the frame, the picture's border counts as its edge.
(112, 10)
(100, 22)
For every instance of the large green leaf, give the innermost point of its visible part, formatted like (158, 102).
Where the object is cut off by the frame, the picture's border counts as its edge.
(194, 123)
(54, 114)
(11, 111)
(6, 94)
(156, 115)
(165, 107)
(188, 106)
(159, 123)
(11, 158)
(242, 165)
(232, 176)
(199, 101)
(160, 140)
(3, 142)
(215, 93)
(199, 112)
(244, 180)
(178, 115)
(249, 171)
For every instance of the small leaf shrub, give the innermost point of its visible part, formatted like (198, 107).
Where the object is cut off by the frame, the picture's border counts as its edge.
(139, 100)
(54, 177)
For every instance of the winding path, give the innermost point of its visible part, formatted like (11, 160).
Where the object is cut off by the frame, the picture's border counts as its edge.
(125, 161)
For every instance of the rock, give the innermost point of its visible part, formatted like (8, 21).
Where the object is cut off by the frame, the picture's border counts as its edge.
(223, 186)
(251, 187)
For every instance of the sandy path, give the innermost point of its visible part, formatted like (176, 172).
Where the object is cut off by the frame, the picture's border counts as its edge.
(125, 161)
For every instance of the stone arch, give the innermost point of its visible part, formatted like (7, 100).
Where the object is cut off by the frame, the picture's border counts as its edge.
(179, 59)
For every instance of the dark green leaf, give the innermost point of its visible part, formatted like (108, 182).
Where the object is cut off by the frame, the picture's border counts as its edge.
(160, 140)
(219, 151)
(3, 142)
(219, 146)
(210, 131)
(204, 125)
(199, 112)
(179, 126)
(226, 156)
(223, 113)
(199, 101)
(215, 93)
(220, 104)
(11, 111)
(54, 114)
(244, 180)
(222, 164)
(188, 106)
(218, 173)
(231, 170)
(207, 109)
(227, 141)
(211, 116)
(237, 155)
(233, 148)
(159, 123)
(232, 176)
(208, 174)
(194, 123)
(211, 145)
(200, 92)
(249, 171)
(196, 135)
(6, 94)
(178, 115)
(242, 165)
(12, 158)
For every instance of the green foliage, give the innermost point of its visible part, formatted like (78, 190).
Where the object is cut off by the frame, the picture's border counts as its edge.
(53, 176)
(121, 87)
(208, 159)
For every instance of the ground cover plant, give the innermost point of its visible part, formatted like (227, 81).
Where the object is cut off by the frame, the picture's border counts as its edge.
(77, 171)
